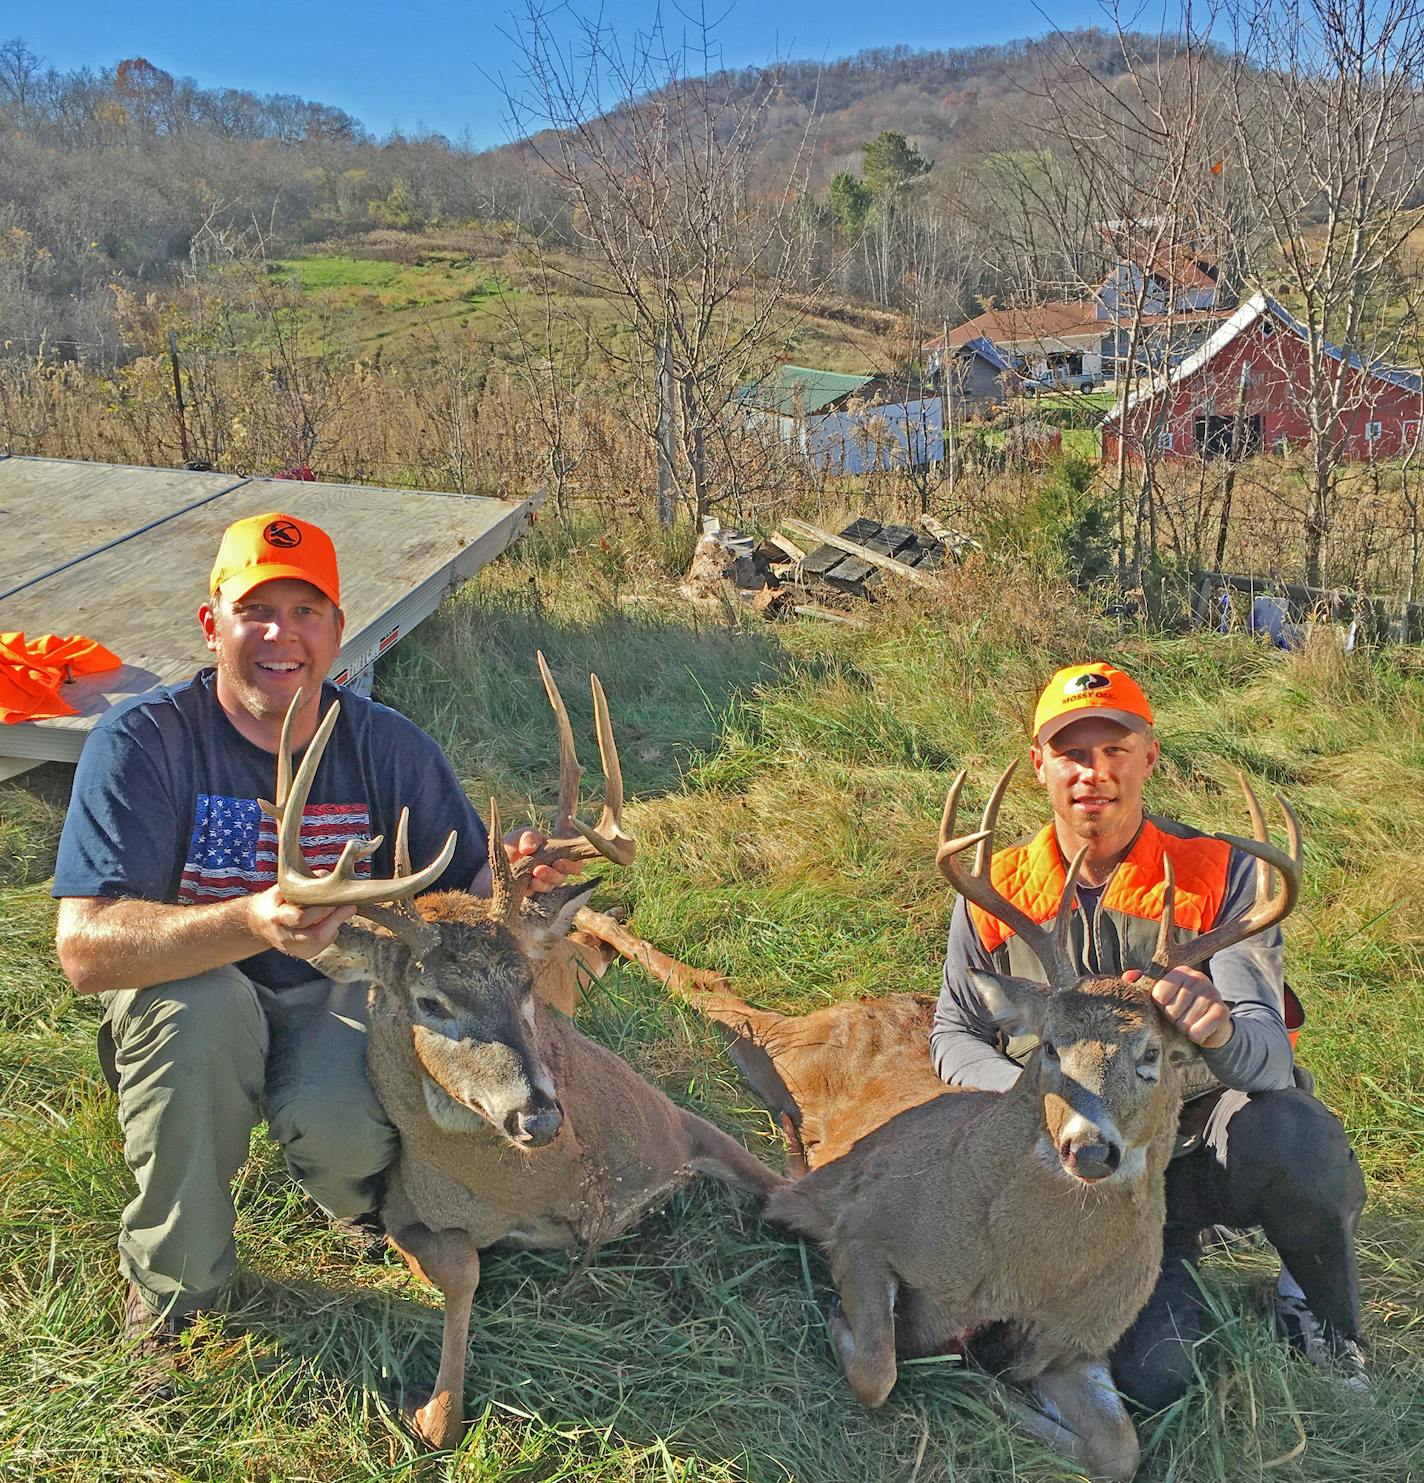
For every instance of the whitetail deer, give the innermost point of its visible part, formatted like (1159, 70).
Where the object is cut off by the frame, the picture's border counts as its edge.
(1032, 1217)
(513, 1126)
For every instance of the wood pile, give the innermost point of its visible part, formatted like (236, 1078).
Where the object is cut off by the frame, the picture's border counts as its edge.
(776, 575)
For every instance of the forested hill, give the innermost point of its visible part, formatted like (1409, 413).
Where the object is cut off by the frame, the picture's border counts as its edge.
(107, 174)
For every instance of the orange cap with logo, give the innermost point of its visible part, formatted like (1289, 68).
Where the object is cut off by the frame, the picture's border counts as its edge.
(1095, 689)
(263, 548)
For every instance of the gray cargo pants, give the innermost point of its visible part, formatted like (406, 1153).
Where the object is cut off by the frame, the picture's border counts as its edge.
(197, 1064)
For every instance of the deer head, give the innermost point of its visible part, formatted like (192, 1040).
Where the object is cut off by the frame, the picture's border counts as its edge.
(1107, 1069)
(453, 980)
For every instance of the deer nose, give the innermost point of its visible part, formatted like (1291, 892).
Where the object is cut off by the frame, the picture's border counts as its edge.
(538, 1127)
(1093, 1160)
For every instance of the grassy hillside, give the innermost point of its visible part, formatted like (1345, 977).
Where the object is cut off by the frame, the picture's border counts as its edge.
(407, 297)
(785, 787)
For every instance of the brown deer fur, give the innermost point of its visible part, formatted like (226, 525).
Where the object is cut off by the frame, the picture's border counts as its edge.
(513, 1126)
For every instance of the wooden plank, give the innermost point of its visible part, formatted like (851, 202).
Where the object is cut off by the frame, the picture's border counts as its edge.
(851, 548)
(782, 543)
(400, 550)
(57, 511)
(810, 610)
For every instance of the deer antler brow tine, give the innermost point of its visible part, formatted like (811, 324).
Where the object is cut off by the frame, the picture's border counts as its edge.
(1063, 917)
(506, 892)
(401, 855)
(1169, 918)
(570, 772)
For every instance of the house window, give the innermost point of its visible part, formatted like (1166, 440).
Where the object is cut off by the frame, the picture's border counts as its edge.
(1164, 437)
(1373, 431)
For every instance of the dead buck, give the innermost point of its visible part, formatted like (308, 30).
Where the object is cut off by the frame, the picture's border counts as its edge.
(1033, 1217)
(513, 1126)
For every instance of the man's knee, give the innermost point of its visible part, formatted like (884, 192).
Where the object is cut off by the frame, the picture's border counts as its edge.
(336, 1147)
(1290, 1145)
(1154, 1362)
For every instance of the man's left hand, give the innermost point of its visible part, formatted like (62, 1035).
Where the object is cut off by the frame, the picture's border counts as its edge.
(1190, 1000)
(519, 844)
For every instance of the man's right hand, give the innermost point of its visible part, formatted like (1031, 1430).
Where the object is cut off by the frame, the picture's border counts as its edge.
(298, 931)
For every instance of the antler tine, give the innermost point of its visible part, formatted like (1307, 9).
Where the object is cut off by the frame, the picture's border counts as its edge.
(1049, 946)
(570, 772)
(507, 890)
(295, 877)
(1268, 907)
(571, 838)
(1169, 917)
(607, 837)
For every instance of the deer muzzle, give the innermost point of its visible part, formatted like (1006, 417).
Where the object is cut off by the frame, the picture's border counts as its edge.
(1091, 1161)
(535, 1126)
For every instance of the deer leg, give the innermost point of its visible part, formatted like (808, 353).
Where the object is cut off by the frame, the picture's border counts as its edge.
(1076, 1409)
(714, 1153)
(450, 1261)
(863, 1324)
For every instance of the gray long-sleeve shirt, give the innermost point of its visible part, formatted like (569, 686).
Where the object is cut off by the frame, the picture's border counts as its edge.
(1249, 977)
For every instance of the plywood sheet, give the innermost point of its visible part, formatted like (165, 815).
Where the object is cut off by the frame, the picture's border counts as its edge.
(52, 510)
(399, 550)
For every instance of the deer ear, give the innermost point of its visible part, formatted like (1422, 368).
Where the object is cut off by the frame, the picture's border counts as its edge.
(548, 917)
(352, 958)
(1181, 1050)
(1017, 1005)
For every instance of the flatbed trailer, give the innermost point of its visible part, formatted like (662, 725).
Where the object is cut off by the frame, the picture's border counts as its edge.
(122, 555)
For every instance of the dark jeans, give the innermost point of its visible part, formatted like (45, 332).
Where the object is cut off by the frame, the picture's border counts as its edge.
(1277, 1160)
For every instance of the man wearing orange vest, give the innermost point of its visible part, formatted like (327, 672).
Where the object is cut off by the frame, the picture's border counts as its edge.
(1255, 1148)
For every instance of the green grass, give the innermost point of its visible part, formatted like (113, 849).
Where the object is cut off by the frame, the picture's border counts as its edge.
(785, 785)
(316, 273)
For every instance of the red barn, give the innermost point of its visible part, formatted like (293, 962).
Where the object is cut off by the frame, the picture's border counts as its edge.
(1257, 363)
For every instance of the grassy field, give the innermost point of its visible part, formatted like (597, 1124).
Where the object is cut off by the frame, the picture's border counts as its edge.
(462, 290)
(786, 784)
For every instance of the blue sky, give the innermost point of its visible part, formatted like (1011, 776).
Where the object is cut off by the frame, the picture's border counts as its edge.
(412, 64)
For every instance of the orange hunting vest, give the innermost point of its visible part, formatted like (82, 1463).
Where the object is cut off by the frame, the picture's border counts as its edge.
(1031, 875)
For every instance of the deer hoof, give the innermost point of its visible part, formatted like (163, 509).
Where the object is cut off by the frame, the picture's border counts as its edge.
(435, 1423)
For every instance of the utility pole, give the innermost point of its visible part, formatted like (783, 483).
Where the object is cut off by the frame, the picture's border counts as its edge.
(945, 371)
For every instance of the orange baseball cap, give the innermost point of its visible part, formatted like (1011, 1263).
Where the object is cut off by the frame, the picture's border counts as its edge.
(265, 547)
(1095, 689)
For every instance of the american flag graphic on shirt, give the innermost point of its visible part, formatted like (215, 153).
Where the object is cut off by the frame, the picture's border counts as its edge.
(233, 847)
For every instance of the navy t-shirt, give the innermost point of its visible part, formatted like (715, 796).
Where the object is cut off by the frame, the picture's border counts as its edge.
(165, 796)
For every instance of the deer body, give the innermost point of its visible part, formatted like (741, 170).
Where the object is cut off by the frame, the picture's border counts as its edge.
(621, 1144)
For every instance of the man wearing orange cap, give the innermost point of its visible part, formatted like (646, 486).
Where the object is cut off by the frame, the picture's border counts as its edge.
(166, 876)
(1255, 1148)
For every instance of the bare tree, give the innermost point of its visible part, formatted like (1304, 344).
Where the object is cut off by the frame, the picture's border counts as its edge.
(1328, 160)
(653, 149)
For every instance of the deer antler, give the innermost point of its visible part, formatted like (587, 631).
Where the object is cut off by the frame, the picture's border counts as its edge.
(299, 883)
(570, 837)
(1048, 944)
(1268, 907)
